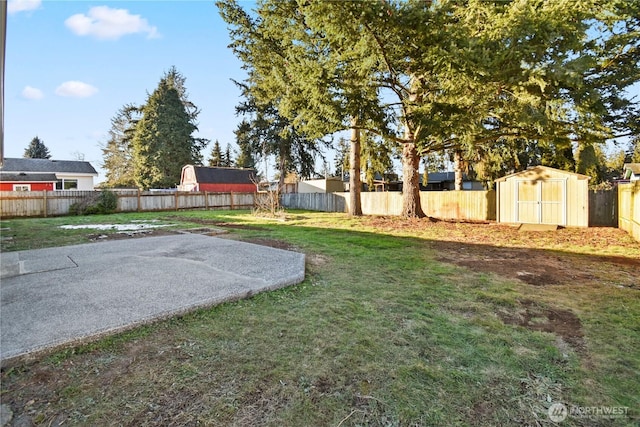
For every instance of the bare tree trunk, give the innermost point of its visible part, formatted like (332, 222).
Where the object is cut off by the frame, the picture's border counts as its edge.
(355, 185)
(457, 169)
(411, 206)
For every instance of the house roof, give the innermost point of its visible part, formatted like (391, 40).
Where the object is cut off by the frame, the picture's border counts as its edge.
(28, 177)
(434, 177)
(633, 167)
(224, 175)
(16, 165)
(541, 170)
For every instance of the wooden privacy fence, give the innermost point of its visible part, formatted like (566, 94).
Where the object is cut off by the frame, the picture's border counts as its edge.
(629, 208)
(458, 205)
(55, 203)
(603, 208)
(606, 208)
(329, 202)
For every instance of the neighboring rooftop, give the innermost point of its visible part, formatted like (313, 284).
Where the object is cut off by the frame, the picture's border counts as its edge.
(17, 165)
(29, 177)
(226, 175)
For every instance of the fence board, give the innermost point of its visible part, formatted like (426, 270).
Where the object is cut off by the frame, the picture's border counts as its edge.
(629, 208)
(330, 202)
(603, 208)
(460, 205)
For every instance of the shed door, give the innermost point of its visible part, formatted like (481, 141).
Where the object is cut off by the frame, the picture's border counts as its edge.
(541, 202)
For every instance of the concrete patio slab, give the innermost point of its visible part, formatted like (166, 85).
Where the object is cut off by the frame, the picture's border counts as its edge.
(56, 296)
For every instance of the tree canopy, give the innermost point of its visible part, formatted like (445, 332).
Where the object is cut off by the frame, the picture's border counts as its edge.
(481, 78)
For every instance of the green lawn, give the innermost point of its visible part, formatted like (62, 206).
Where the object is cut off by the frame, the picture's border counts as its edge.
(380, 333)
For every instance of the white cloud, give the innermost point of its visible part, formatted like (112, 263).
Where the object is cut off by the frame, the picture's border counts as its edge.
(15, 6)
(32, 93)
(76, 89)
(105, 23)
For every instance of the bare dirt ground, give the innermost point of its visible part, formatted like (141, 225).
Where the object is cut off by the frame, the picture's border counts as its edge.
(564, 256)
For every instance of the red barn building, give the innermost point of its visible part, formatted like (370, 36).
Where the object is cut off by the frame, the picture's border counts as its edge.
(217, 179)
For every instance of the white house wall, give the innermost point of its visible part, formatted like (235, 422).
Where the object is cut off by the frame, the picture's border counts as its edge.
(85, 183)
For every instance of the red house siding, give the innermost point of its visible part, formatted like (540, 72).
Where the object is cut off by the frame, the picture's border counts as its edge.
(227, 188)
(35, 186)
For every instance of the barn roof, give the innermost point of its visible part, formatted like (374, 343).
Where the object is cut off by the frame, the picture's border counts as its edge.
(28, 177)
(540, 170)
(12, 165)
(224, 175)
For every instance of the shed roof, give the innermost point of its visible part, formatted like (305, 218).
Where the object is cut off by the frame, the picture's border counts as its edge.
(633, 167)
(541, 170)
(28, 177)
(224, 175)
(12, 165)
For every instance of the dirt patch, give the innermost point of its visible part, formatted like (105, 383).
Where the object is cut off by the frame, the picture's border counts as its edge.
(278, 244)
(540, 267)
(562, 323)
(536, 258)
(530, 266)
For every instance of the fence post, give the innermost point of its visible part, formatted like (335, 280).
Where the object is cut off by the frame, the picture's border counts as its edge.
(206, 200)
(231, 200)
(177, 203)
(139, 207)
(44, 202)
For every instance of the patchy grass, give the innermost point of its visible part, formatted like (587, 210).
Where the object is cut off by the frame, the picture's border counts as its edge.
(397, 323)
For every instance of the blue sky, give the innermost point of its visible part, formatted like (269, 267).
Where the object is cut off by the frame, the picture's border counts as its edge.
(70, 65)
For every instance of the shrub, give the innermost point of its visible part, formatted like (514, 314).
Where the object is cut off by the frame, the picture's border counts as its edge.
(102, 202)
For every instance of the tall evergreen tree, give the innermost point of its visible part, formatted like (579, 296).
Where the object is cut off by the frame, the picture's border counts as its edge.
(274, 135)
(163, 141)
(228, 160)
(633, 153)
(591, 161)
(37, 150)
(117, 154)
(244, 139)
(216, 155)
(341, 161)
(375, 158)
(314, 82)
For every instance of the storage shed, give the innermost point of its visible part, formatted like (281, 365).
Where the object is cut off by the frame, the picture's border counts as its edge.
(217, 179)
(325, 185)
(543, 195)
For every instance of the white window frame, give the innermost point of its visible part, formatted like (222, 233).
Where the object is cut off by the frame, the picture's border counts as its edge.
(21, 187)
(62, 182)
